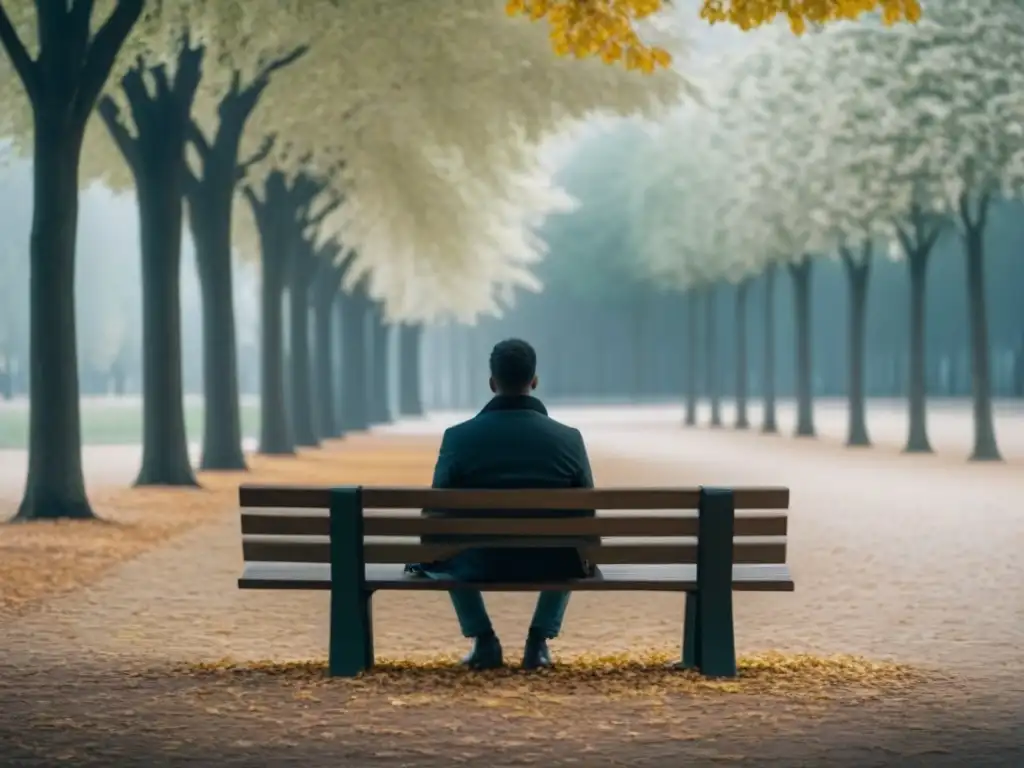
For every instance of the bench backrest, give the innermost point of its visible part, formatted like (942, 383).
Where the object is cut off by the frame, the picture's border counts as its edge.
(663, 525)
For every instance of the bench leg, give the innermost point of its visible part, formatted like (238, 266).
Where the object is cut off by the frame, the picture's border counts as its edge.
(351, 638)
(691, 648)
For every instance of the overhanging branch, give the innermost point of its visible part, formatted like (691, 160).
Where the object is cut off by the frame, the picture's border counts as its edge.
(26, 68)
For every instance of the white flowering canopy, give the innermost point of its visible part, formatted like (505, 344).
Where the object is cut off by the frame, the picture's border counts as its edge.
(435, 107)
(846, 135)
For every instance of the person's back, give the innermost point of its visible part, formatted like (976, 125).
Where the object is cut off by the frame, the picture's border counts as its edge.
(511, 443)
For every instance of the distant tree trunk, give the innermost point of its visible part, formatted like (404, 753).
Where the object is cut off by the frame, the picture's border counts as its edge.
(165, 459)
(800, 272)
(210, 194)
(769, 425)
(222, 422)
(380, 367)
(858, 273)
(1018, 368)
(156, 156)
(742, 291)
(355, 412)
(917, 250)
(711, 352)
(692, 355)
(62, 86)
(639, 378)
(325, 289)
(302, 267)
(985, 447)
(410, 402)
(275, 257)
(117, 376)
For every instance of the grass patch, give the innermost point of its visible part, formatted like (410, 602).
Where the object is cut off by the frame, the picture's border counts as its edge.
(117, 421)
(646, 674)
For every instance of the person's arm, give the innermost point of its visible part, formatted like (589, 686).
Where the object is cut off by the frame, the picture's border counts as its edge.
(584, 476)
(444, 470)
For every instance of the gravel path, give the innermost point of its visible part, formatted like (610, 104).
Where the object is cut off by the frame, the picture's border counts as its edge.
(915, 559)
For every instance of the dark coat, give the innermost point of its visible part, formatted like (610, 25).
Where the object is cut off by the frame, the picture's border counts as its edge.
(511, 443)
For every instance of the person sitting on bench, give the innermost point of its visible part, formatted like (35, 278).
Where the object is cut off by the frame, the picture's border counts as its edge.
(511, 443)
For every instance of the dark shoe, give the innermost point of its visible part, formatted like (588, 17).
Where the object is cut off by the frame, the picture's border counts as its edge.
(536, 654)
(486, 653)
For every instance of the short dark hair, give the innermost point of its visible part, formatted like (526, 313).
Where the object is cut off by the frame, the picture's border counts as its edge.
(513, 365)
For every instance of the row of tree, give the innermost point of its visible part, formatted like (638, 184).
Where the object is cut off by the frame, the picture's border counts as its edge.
(856, 141)
(400, 171)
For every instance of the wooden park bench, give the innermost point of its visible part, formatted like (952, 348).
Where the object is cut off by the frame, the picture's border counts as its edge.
(337, 539)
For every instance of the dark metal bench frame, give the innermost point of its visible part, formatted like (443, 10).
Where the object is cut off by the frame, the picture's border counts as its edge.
(708, 642)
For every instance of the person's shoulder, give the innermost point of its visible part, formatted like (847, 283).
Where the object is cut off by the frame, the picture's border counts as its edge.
(566, 431)
(455, 430)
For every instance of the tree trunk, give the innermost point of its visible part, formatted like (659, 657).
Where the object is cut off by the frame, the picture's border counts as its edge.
(769, 424)
(917, 392)
(985, 447)
(380, 368)
(327, 419)
(410, 402)
(55, 486)
(299, 363)
(62, 85)
(355, 413)
(692, 356)
(800, 272)
(711, 352)
(165, 459)
(742, 291)
(275, 425)
(858, 273)
(210, 217)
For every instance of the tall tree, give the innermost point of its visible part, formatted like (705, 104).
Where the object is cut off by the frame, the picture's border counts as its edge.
(210, 190)
(160, 105)
(326, 284)
(62, 84)
(410, 343)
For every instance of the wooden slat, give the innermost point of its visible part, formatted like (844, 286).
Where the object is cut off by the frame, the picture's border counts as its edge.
(575, 498)
(310, 550)
(642, 578)
(316, 523)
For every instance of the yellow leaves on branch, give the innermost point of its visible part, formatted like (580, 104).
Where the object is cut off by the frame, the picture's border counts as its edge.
(747, 14)
(604, 28)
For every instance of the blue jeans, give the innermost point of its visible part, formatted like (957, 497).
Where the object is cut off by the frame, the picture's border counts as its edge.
(474, 621)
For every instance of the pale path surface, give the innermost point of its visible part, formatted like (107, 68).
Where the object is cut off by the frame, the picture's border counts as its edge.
(910, 557)
(915, 558)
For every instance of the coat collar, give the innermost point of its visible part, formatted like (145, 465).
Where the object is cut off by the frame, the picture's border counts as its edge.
(515, 403)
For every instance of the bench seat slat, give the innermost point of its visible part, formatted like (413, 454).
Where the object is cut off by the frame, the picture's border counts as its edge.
(640, 578)
(295, 522)
(656, 551)
(575, 498)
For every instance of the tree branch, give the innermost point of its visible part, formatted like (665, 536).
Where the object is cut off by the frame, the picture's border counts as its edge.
(194, 134)
(239, 102)
(254, 201)
(189, 181)
(99, 58)
(26, 68)
(258, 156)
(279, 63)
(315, 220)
(79, 19)
(125, 142)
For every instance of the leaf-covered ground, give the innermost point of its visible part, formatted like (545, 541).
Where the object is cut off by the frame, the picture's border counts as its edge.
(45, 559)
(130, 668)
